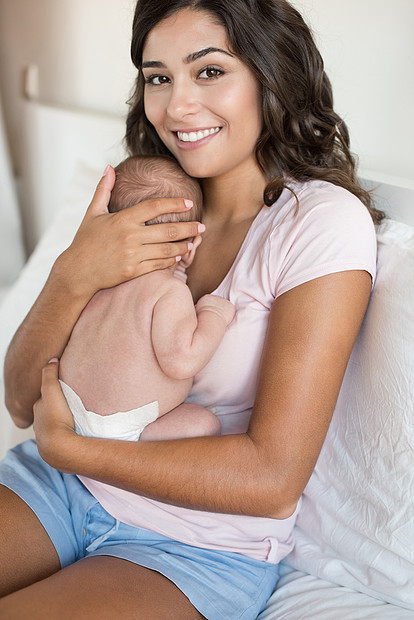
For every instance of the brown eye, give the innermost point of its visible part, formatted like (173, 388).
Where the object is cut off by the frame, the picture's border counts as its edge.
(156, 80)
(210, 73)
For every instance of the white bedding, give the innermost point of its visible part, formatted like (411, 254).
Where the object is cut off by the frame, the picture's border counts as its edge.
(22, 294)
(356, 526)
(301, 596)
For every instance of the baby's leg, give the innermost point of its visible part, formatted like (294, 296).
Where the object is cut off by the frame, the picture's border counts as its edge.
(186, 420)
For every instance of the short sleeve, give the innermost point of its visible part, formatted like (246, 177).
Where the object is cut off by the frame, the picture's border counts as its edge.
(329, 232)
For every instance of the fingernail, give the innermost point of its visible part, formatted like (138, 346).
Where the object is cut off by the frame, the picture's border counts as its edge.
(190, 245)
(188, 203)
(201, 228)
(177, 259)
(106, 170)
(54, 359)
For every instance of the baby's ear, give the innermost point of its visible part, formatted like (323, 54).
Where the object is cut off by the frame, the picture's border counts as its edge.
(188, 257)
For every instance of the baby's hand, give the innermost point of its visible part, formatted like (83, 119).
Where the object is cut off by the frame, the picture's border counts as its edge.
(224, 308)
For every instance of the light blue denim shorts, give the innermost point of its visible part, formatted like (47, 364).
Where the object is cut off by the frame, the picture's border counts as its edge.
(221, 585)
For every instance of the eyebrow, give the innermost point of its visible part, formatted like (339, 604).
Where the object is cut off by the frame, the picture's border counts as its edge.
(188, 59)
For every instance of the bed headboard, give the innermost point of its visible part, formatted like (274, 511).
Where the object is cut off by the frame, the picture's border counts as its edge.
(59, 141)
(394, 195)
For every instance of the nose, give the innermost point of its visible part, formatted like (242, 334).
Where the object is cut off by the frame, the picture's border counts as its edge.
(183, 100)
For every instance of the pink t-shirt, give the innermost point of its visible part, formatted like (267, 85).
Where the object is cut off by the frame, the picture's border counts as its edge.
(330, 231)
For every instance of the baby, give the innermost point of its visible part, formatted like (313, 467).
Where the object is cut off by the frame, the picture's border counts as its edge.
(132, 355)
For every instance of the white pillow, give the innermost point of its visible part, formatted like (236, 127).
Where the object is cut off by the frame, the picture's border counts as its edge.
(24, 291)
(356, 526)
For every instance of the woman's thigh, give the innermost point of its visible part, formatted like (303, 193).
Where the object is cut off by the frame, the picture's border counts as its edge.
(100, 587)
(26, 551)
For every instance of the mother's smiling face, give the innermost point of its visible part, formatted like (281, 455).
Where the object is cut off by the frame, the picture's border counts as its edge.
(203, 101)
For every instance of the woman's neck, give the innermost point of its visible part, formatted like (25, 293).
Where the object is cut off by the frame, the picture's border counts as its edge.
(235, 196)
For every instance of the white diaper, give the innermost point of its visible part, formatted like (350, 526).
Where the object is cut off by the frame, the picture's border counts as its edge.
(127, 425)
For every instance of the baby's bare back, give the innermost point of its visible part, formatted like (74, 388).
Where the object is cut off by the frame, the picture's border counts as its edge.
(110, 360)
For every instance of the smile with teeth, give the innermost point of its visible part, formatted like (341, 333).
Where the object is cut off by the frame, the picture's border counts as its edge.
(195, 136)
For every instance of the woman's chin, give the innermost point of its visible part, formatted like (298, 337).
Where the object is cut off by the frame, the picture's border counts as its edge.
(198, 171)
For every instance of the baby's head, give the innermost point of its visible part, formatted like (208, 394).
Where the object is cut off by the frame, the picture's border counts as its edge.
(142, 177)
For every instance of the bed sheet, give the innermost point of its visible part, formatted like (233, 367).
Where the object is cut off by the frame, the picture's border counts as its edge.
(300, 596)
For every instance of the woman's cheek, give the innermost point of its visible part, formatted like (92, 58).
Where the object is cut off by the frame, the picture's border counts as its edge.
(153, 108)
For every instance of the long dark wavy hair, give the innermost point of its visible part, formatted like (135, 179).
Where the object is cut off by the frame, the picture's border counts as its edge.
(302, 137)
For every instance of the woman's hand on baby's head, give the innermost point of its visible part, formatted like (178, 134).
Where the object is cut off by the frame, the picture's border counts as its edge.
(110, 248)
(172, 240)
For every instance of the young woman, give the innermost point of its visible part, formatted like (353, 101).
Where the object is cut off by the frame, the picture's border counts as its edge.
(236, 92)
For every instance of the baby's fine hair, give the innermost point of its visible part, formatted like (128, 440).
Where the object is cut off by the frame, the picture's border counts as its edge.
(141, 177)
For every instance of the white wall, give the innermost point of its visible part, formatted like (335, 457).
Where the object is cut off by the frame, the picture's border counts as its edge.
(368, 47)
(82, 50)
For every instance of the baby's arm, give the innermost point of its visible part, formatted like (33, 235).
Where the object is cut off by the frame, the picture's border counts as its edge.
(185, 338)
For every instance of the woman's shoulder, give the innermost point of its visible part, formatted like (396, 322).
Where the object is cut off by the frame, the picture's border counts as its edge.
(320, 205)
(315, 219)
(320, 229)
(319, 194)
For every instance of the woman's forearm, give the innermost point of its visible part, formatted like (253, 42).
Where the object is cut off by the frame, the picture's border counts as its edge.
(195, 473)
(235, 474)
(42, 335)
